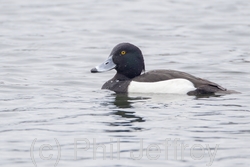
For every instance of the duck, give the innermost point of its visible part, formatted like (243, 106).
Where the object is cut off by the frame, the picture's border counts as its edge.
(127, 59)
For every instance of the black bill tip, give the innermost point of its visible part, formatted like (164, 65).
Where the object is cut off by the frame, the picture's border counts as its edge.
(93, 70)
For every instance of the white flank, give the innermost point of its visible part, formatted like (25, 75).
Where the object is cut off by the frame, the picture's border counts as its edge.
(172, 86)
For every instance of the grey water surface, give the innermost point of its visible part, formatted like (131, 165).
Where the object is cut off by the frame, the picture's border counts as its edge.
(53, 112)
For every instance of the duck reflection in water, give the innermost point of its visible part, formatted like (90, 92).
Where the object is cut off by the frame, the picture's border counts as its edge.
(124, 109)
(122, 100)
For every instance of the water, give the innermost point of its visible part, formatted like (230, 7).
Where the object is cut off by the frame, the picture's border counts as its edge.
(50, 100)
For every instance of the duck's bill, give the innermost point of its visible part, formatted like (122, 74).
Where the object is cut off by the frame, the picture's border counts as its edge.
(105, 66)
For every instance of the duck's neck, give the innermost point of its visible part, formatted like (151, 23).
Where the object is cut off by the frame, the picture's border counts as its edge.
(121, 77)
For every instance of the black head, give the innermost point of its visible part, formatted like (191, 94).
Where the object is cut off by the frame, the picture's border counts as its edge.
(126, 58)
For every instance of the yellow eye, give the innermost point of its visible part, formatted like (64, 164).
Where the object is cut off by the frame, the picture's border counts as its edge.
(123, 52)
